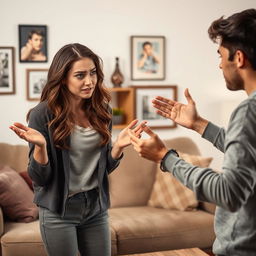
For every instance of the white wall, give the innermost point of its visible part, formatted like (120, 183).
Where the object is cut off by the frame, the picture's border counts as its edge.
(106, 26)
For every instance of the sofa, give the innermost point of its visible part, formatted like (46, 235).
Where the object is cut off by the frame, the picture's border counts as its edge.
(135, 226)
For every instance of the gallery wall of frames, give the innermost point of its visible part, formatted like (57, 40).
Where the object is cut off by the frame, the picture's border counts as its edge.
(147, 59)
(147, 63)
(32, 49)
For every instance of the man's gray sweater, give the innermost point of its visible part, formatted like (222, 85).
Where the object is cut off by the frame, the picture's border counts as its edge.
(232, 190)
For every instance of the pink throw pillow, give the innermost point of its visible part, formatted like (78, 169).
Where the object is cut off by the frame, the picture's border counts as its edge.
(28, 180)
(16, 198)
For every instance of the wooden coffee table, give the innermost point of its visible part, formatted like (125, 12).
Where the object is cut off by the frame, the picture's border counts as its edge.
(182, 252)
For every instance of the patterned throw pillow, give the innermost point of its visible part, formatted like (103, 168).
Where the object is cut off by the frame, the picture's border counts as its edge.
(169, 193)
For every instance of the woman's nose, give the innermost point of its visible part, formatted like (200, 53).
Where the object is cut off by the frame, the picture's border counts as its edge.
(87, 79)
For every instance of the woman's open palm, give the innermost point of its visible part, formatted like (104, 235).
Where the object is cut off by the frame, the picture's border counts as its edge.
(28, 134)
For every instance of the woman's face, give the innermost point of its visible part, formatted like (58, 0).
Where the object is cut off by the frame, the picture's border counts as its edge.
(82, 79)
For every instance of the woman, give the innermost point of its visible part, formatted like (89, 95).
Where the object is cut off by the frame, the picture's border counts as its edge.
(71, 155)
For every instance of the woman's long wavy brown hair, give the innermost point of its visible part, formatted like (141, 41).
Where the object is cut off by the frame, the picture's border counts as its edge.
(58, 97)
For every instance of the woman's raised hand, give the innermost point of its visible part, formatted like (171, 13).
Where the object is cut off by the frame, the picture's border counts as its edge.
(123, 139)
(28, 134)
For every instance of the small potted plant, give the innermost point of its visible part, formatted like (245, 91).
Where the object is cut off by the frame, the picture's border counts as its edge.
(118, 116)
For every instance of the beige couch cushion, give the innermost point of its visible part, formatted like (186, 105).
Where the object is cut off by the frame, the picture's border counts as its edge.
(169, 193)
(145, 229)
(15, 156)
(131, 183)
(24, 239)
(183, 144)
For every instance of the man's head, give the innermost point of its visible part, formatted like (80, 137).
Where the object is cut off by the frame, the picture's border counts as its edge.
(237, 38)
(147, 47)
(35, 37)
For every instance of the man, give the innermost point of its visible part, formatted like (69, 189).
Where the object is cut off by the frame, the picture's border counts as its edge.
(148, 61)
(32, 51)
(233, 190)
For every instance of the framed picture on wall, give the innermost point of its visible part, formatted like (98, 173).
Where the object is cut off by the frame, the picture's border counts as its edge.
(36, 80)
(144, 109)
(33, 43)
(7, 72)
(147, 57)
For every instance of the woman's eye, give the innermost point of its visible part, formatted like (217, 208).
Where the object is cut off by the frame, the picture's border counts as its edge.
(93, 72)
(80, 76)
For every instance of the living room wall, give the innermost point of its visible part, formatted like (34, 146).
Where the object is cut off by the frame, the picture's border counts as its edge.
(106, 27)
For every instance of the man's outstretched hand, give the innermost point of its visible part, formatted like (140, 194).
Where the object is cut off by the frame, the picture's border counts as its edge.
(185, 115)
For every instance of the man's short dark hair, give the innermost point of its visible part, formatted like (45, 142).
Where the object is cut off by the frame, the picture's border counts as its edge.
(146, 43)
(35, 31)
(237, 32)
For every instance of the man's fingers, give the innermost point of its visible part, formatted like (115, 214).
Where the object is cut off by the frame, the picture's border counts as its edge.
(188, 97)
(162, 105)
(138, 132)
(135, 146)
(162, 108)
(133, 137)
(139, 127)
(165, 100)
(161, 113)
(147, 130)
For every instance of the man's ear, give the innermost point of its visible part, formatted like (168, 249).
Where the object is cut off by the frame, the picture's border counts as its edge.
(240, 59)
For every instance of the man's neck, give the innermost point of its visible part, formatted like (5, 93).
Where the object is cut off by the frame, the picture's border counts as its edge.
(250, 82)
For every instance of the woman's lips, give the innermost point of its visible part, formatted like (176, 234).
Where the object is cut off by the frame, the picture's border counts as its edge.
(86, 90)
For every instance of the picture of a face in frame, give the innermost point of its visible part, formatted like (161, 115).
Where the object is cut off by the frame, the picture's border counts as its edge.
(147, 57)
(33, 43)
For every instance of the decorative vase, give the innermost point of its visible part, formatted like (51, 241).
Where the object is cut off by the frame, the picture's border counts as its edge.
(117, 77)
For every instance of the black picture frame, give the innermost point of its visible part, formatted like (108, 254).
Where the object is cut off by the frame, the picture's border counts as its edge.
(33, 43)
(148, 58)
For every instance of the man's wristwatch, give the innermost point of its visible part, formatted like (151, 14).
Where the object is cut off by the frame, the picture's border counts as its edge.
(171, 151)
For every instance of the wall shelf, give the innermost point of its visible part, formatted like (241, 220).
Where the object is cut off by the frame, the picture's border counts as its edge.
(124, 100)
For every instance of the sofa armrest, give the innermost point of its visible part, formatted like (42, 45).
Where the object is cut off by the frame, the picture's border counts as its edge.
(1, 222)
